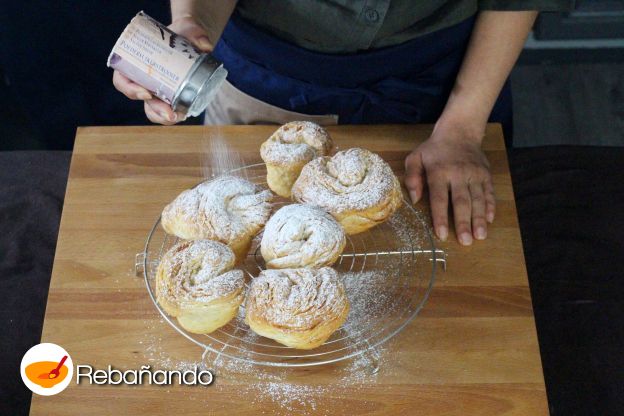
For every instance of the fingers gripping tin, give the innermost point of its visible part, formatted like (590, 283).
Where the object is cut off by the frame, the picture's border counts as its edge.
(167, 64)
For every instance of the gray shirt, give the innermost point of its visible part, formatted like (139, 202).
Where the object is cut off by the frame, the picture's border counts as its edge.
(347, 26)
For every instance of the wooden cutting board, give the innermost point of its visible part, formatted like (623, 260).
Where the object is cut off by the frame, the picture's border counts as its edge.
(472, 350)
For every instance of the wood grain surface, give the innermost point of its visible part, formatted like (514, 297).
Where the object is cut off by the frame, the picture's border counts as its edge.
(472, 350)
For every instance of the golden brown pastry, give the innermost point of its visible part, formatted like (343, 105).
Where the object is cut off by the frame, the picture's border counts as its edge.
(299, 308)
(355, 186)
(196, 284)
(301, 236)
(227, 209)
(289, 149)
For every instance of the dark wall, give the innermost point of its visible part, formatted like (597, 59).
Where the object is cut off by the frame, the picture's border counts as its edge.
(53, 58)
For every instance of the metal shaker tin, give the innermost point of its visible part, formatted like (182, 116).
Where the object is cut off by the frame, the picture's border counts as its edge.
(167, 64)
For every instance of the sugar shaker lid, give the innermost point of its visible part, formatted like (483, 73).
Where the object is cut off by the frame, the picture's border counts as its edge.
(201, 84)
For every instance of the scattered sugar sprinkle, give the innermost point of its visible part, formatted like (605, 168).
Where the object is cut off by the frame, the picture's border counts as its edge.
(370, 299)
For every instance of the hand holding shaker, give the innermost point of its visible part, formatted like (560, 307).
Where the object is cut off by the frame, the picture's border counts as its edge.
(167, 64)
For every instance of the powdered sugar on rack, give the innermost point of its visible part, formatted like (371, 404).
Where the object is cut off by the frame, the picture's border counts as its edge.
(386, 282)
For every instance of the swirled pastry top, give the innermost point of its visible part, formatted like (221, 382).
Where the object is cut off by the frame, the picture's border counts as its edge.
(351, 180)
(224, 209)
(198, 271)
(301, 236)
(297, 299)
(296, 142)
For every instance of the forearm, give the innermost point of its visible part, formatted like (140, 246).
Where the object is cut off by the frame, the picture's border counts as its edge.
(213, 15)
(495, 44)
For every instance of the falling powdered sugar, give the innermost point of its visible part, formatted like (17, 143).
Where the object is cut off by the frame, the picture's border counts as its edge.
(217, 157)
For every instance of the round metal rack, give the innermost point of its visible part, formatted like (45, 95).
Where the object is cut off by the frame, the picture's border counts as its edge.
(388, 274)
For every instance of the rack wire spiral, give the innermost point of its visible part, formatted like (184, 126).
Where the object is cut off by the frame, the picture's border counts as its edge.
(388, 273)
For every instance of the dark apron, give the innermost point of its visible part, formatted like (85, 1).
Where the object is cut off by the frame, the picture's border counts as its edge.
(407, 83)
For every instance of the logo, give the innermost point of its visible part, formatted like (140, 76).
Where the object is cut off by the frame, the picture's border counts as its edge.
(47, 369)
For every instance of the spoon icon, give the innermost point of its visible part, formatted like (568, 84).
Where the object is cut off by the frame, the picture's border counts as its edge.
(54, 373)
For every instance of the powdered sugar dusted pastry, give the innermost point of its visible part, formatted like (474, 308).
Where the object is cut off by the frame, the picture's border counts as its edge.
(355, 186)
(196, 284)
(299, 308)
(289, 149)
(301, 236)
(227, 209)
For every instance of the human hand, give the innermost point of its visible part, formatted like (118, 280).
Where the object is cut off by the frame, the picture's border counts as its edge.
(451, 160)
(156, 110)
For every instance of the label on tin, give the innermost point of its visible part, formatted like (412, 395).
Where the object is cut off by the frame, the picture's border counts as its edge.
(153, 56)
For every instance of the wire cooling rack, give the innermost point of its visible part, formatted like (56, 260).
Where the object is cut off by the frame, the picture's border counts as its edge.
(388, 273)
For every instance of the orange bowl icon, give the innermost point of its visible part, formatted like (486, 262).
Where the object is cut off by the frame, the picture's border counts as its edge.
(46, 369)
(41, 373)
